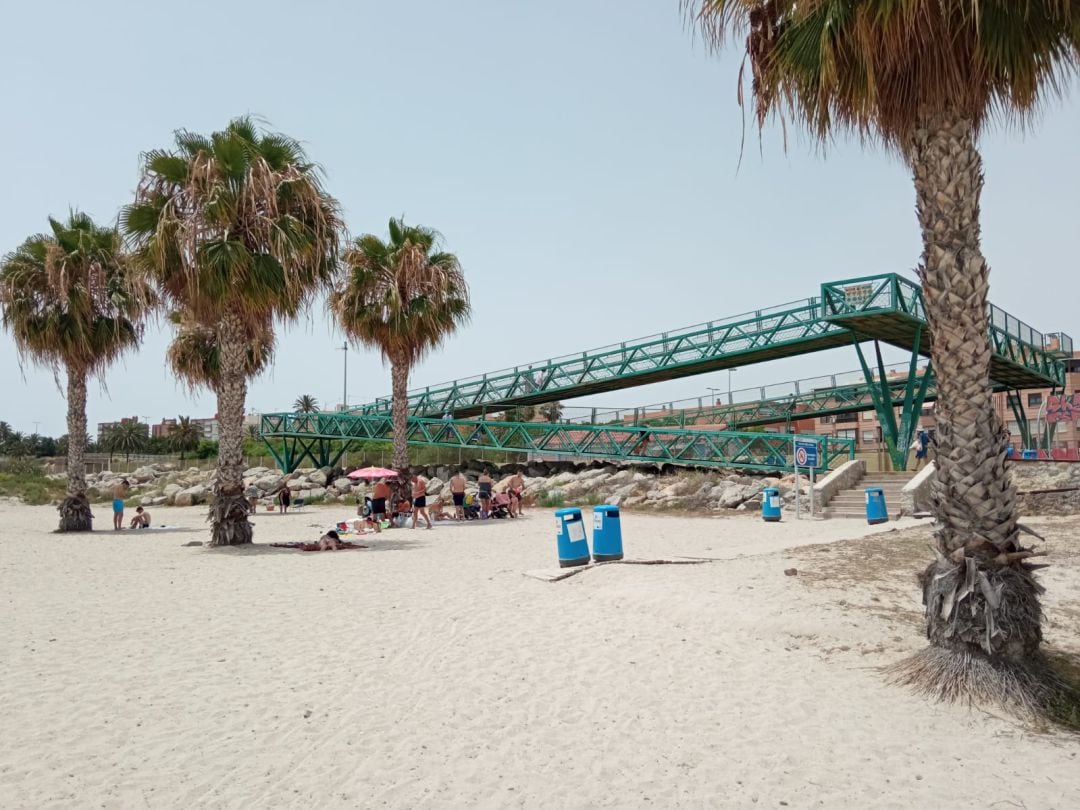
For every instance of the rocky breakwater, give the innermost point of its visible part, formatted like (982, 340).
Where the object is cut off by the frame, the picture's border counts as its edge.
(546, 485)
(1047, 487)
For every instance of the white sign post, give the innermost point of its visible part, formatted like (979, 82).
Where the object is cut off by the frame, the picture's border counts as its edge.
(806, 454)
(795, 459)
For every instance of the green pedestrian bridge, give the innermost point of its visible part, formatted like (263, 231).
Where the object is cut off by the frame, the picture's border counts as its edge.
(884, 309)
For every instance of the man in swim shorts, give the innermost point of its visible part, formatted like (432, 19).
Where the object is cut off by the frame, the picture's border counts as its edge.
(419, 494)
(485, 482)
(516, 489)
(379, 494)
(457, 489)
(120, 492)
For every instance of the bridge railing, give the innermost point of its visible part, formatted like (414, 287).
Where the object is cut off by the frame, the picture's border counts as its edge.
(710, 448)
(722, 404)
(1010, 337)
(664, 350)
(871, 295)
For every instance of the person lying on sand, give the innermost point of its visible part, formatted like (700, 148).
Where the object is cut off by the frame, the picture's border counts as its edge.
(330, 541)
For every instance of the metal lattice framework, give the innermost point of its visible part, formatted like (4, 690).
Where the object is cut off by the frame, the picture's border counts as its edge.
(322, 438)
(802, 403)
(887, 307)
(884, 309)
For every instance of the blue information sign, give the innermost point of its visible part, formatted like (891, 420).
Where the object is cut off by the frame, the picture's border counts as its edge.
(806, 453)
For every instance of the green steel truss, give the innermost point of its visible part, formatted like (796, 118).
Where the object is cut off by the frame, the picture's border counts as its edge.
(886, 307)
(890, 308)
(764, 335)
(805, 402)
(310, 437)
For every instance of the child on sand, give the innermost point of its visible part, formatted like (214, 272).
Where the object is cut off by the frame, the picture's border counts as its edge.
(141, 519)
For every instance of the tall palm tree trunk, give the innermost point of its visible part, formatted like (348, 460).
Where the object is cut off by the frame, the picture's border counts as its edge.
(75, 514)
(399, 407)
(982, 608)
(229, 514)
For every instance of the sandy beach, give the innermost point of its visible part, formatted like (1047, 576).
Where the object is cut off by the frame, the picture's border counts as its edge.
(429, 671)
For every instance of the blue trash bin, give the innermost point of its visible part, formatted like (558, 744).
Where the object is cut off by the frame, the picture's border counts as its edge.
(770, 504)
(606, 534)
(876, 511)
(1009, 451)
(573, 546)
(1029, 455)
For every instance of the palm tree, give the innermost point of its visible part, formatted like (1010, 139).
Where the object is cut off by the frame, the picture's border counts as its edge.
(519, 413)
(404, 297)
(126, 438)
(71, 300)
(185, 436)
(235, 229)
(306, 404)
(550, 411)
(923, 78)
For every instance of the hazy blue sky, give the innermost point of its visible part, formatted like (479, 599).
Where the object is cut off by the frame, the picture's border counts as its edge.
(580, 157)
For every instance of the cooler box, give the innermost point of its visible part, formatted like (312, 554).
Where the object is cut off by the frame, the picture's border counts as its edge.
(607, 534)
(573, 546)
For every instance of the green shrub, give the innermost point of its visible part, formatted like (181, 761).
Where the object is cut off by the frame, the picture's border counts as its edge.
(553, 499)
(25, 478)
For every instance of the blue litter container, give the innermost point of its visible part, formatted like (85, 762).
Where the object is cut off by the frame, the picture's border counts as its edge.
(876, 511)
(1009, 451)
(770, 504)
(606, 534)
(573, 545)
(1029, 454)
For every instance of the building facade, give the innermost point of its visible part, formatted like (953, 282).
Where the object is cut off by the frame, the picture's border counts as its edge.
(1052, 415)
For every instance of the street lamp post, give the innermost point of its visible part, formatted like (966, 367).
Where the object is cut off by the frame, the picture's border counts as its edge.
(345, 376)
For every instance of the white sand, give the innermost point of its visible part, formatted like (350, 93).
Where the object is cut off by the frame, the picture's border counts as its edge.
(428, 671)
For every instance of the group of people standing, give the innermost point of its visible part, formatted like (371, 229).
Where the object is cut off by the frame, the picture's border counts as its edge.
(386, 504)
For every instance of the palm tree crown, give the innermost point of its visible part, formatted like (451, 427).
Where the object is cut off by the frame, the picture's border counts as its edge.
(306, 404)
(402, 296)
(69, 297)
(878, 68)
(195, 354)
(234, 224)
(185, 435)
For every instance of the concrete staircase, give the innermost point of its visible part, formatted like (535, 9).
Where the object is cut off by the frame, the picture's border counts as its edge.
(851, 503)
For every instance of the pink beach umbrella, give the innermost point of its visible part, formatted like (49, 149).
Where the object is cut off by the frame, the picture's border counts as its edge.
(371, 473)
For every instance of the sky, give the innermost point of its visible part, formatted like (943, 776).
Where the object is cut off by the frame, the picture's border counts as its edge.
(583, 164)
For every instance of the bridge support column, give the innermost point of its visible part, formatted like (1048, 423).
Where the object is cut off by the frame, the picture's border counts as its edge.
(897, 435)
(1017, 406)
